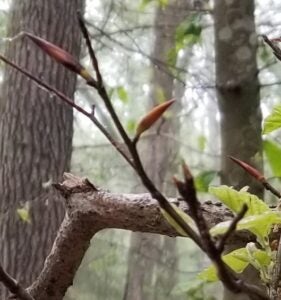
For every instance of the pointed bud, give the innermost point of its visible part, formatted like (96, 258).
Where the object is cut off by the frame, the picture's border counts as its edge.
(61, 56)
(186, 172)
(249, 169)
(148, 120)
(179, 185)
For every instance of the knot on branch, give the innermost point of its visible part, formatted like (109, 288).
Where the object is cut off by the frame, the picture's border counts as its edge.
(73, 184)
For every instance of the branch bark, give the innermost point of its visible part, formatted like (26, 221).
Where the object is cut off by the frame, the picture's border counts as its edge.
(90, 210)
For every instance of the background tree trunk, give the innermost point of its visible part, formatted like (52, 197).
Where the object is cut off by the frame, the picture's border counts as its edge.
(238, 97)
(238, 90)
(36, 134)
(150, 256)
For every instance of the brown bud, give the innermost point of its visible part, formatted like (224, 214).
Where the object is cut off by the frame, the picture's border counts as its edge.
(148, 120)
(61, 56)
(249, 169)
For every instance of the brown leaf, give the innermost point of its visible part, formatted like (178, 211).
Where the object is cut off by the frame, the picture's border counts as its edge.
(61, 56)
(249, 169)
(148, 120)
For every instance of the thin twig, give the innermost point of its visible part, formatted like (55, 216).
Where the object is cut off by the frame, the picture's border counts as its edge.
(231, 228)
(72, 104)
(100, 88)
(155, 193)
(270, 188)
(13, 286)
(92, 54)
(188, 192)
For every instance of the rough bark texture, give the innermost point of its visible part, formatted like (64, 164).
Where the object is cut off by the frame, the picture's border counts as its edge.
(238, 95)
(158, 154)
(238, 89)
(36, 134)
(89, 211)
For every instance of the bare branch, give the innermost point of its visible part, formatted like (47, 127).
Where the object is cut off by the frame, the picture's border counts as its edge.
(89, 211)
(71, 103)
(13, 286)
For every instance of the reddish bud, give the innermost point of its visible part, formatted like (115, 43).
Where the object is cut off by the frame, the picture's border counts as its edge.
(148, 120)
(186, 172)
(61, 56)
(249, 169)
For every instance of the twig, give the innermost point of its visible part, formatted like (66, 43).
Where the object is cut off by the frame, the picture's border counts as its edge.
(90, 48)
(256, 174)
(271, 44)
(100, 88)
(276, 275)
(270, 188)
(155, 193)
(72, 104)
(188, 192)
(13, 286)
(231, 228)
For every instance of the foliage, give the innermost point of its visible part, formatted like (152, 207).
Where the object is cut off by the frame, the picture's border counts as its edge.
(273, 121)
(272, 151)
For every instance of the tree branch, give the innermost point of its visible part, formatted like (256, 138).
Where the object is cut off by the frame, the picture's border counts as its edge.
(89, 211)
(13, 286)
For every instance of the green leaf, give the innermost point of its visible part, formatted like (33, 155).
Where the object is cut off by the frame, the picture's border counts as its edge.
(234, 200)
(262, 258)
(259, 225)
(273, 121)
(203, 180)
(237, 260)
(188, 32)
(122, 94)
(24, 215)
(202, 140)
(131, 126)
(273, 153)
(174, 224)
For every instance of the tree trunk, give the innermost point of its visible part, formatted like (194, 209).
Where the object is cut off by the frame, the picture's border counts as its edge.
(238, 97)
(36, 135)
(238, 90)
(159, 154)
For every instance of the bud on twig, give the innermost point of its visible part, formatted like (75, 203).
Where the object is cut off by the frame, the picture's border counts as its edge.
(249, 169)
(61, 56)
(148, 120)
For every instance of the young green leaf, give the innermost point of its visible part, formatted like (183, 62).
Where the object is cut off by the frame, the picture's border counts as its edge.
(273, 153)
(237, 260)
(61, 56)
(273, 121)
(203, 180)
(122, 94)
(174, 224)
(234, 200)
(24, 215)
(259, 225)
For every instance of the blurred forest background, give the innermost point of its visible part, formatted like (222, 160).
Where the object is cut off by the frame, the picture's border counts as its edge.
(222, 76)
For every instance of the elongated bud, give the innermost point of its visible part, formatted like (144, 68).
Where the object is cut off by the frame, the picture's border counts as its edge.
(148, 120)
(249, 169)
(61, 56)
(186, 172)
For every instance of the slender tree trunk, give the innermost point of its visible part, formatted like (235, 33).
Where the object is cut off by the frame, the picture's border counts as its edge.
(238, 97)
(147, 276)
(36, 135)
(238, 90)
